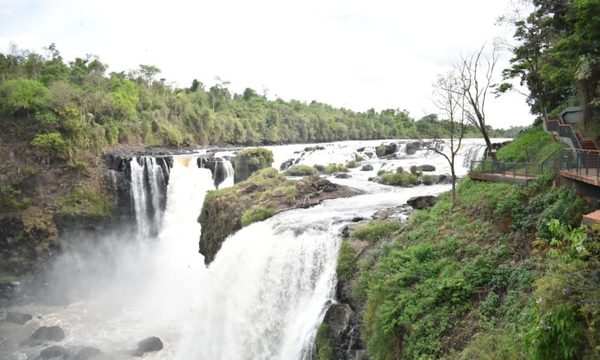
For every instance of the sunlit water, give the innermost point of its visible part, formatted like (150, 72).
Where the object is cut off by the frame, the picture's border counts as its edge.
(262, 298)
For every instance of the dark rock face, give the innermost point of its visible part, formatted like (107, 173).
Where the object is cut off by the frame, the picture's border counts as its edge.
(422, 202)
(150, 344)
(342, 175)
(48, 333)
(86, 353)
(426, 168)
(413, 147)
(286, 164)
(18, 318)
(386, 149)
(54, 352)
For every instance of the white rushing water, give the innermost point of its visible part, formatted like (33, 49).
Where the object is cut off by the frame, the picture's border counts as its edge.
(264, 295)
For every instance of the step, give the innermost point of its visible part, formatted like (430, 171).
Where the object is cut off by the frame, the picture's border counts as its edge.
(592, 218)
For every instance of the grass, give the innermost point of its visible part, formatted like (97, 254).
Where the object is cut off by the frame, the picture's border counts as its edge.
(376, 230)
(82, 201)
(301, 170)
(257, 213)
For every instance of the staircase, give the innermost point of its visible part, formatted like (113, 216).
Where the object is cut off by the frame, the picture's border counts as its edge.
(586, 144)
(560, 129)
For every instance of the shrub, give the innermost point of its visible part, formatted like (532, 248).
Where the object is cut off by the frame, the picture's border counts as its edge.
(402, 179)
(319, 168)
(85, 202)
(380, 172)
(251, 160)
(23, 96)
(427, 179)
(51, 144)
(346, 265)
(323, 344)
(257, 213)
(11, 200)
(333, 168)
(414, 170)
(399, 170)
(351, 164)
(359, 158)
(300, 170)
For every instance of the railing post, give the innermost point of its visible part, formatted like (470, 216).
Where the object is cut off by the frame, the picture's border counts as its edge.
(526, 170)
(587, 162)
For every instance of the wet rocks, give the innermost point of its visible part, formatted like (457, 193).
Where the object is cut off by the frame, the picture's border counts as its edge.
(86, 353)
(54, 352)
(366, 167)
(413, 147)
(17, 318)
(386, 149)
(286, 164)
(342, 175)
(422, 202)
(426, 168)
(401, 212)
(47, 333)
(149, 344)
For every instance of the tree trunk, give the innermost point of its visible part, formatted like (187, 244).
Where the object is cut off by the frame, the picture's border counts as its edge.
(453, 186)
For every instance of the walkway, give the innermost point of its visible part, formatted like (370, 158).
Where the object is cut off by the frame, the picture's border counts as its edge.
(498, 177)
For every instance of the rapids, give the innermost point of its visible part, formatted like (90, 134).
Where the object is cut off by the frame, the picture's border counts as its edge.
(263, 297)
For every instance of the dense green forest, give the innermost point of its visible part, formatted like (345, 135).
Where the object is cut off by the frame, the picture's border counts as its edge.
(557, 56)
(79, 103)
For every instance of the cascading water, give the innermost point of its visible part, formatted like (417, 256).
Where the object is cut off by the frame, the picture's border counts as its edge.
(147, 192)
(264, 295)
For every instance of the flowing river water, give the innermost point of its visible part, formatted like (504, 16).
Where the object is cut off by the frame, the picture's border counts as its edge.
(263, 297)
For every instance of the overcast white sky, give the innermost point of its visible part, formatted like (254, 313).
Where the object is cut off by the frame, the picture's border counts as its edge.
(353, 54)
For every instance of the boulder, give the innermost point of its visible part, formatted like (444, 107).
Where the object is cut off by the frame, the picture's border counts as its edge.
(367, 167)
(149, 344)
(426, 168)
(54, 352)
(386, 149)
(48, 333)
(337, 319)
(286, 164)
(86, 353)
(422, 202)
(342, 175)
(18, 318)
(412, 147)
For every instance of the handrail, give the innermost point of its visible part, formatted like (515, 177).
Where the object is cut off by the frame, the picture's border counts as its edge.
(564, 130)
(504, 168)
(581, 162)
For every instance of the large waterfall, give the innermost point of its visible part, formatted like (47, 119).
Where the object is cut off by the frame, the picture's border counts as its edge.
(264, 295)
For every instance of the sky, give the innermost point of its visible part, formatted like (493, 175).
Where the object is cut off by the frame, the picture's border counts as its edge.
(352, 54)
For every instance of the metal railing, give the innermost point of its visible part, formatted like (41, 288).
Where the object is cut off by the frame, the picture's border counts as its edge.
(581, 162)
(564, 130)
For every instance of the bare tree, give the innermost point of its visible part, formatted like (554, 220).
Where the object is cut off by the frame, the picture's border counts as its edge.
(450, 100)
(475, 74)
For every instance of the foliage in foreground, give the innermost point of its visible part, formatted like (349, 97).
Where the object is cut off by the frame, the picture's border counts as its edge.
(468, 283)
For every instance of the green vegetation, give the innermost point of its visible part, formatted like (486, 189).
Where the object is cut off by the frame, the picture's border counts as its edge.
(256, 213)
(399, 179)
(333, 168)
(376, 230)
(84, 202)
(428, 179)
(301, 170)
(346, 265)
(251, 160)
(467, 283)
(11, 200)
(557, 57)
(50, 145)
(351, 164)
(534, 145)
(323, 344)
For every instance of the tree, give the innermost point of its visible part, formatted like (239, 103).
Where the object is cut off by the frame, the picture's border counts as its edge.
(450, 99)
(475, 73)
(23, 96)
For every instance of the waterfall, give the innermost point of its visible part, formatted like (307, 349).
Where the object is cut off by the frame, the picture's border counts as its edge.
(148, 185)
(225, 170)
(266, 292)
(473, 152)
